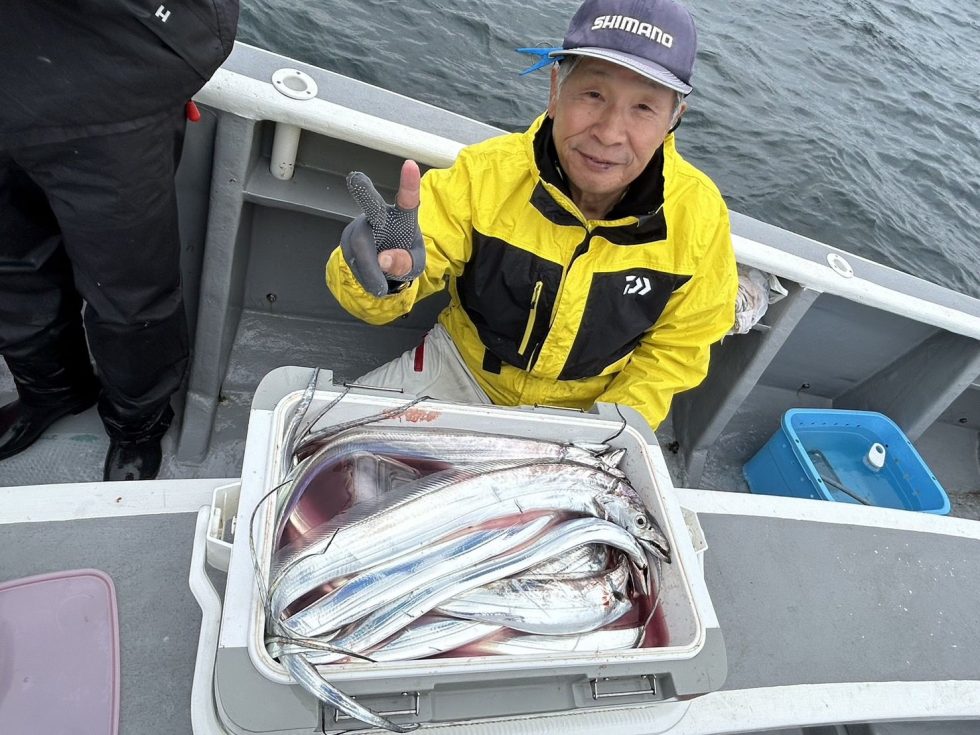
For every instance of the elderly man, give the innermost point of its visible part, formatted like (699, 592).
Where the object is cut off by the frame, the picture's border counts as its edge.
(586, 260)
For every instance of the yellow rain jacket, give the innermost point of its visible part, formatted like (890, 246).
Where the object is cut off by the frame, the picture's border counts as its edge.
(551, 308)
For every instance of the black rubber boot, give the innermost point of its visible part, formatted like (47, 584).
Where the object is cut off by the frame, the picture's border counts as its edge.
(54, 382)
(134, 449)
(21, 424)
(132, 460)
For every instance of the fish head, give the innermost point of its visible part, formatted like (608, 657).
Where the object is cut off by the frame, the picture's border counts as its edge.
(658, 548)
(639, 522)
(628, 515)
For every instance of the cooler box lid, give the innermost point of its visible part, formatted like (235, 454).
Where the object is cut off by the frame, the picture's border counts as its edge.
(59, 654)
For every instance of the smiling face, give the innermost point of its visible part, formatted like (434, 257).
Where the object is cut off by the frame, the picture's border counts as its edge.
(608, 123)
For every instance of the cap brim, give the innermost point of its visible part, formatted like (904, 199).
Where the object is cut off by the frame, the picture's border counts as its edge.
(641, 66)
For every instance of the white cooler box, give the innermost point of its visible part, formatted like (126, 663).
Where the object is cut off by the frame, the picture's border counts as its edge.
(253, 692)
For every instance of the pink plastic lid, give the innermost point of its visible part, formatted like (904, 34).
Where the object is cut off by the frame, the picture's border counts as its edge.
(59, 654)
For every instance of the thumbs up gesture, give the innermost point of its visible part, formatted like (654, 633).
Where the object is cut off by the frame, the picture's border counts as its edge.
(384, 244)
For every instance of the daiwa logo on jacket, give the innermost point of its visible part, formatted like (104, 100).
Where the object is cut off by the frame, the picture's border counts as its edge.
(639, 285)
(632, 25)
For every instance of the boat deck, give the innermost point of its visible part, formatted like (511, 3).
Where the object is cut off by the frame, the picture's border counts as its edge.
(833, 617)
(148, 558)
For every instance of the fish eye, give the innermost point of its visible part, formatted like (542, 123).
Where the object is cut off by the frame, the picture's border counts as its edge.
(641, 521)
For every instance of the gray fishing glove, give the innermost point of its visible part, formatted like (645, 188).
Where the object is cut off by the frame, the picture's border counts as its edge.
(382, 227)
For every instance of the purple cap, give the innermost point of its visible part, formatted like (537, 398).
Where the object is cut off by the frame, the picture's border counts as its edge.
(654, 38)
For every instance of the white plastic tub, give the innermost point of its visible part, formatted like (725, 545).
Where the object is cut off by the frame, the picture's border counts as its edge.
(455, 688)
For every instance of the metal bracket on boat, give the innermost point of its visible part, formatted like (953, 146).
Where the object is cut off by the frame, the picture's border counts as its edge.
(840, 265)
(597, 695)
(296, 85)
(414, 710)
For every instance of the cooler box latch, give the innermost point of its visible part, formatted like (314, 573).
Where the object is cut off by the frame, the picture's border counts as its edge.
(386, 705)
(627, 686)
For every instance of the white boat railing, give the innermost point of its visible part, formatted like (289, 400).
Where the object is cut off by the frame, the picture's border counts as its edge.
(824, 279)
(257, 99)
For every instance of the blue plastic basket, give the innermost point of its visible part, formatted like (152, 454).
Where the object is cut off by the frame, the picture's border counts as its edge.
(820, 454)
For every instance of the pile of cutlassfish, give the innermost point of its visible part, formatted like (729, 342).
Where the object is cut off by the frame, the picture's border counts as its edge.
(454, 543)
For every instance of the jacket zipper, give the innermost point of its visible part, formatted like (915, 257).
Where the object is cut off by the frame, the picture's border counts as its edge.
(532, 317)
(582, 248)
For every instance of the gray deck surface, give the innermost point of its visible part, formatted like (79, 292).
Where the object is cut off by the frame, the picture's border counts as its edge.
(148, 558)
(810, 603)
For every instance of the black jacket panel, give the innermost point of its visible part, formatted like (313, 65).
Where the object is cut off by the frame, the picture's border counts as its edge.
(73, 68)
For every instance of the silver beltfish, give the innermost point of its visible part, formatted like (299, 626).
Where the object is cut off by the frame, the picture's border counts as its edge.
(547, 606)
(309, 678)
(443, 505)
(584, 561)
(386, 583)
(458, 446)
(429, 636)
(385, 622)
(427, 445)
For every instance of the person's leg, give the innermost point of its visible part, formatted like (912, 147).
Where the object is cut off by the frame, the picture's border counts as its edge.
(115, 201)
(41, 335)
(434, 368)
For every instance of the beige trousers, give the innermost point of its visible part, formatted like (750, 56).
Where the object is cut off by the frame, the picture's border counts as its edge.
(433, 369)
